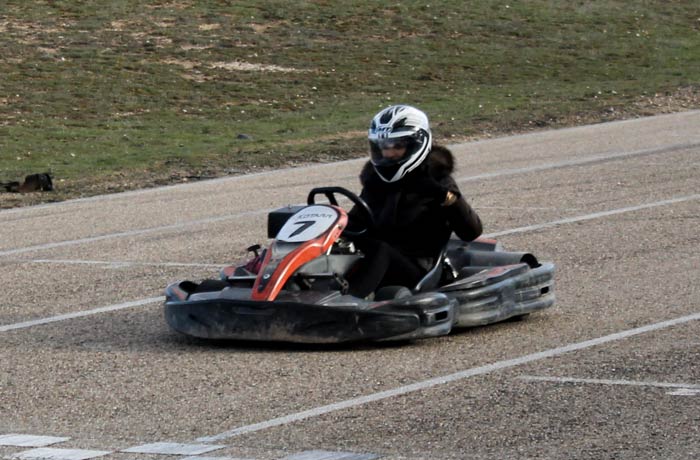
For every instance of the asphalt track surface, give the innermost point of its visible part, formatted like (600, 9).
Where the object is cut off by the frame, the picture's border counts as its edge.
(91, 370)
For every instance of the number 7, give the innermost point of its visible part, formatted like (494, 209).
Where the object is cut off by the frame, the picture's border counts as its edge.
(304, 224)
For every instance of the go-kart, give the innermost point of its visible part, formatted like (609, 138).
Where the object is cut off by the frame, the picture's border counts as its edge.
(295, 290)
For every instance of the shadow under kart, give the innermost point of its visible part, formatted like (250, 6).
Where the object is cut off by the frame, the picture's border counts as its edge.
(298, 291)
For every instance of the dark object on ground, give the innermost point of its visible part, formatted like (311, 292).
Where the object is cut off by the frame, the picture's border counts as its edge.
(32, 183)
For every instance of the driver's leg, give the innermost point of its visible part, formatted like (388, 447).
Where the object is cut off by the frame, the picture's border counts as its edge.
(383, 265)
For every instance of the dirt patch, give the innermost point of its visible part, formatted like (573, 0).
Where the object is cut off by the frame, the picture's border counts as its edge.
(232, 66)
(31, 33)
(265, 28)
(247, 66)
(120, 26)
(196, 47)
(209, 26)
(187, 65)
(193, 68)
(684, 99)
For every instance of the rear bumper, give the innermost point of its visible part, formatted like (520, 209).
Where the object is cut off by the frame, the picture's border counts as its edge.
(495, 297)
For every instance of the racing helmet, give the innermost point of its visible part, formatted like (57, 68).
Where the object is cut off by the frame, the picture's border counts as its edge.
(399, 126)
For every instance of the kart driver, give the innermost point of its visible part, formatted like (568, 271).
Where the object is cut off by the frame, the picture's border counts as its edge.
(414, 200)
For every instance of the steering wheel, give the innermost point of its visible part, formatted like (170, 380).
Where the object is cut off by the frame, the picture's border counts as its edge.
(360, 205)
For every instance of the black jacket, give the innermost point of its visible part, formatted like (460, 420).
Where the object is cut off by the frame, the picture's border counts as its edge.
(410, 214)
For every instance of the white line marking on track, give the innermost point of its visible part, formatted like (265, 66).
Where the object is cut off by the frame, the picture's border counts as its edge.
(328, 455)
(115, 263)
(210, 220)
(489, 235)
(80, 314)
(534, 378)
(47, 453)
(27, 440)
(130, 233)
(171, 448)
(684, 392)
(528, 228)
(481, 370)
(214, 458)
(595, 215)
(579, 162)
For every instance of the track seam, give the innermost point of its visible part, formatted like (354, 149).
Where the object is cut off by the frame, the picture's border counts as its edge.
(211, 220)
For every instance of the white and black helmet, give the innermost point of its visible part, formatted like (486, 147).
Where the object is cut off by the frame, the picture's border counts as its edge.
(403, 125)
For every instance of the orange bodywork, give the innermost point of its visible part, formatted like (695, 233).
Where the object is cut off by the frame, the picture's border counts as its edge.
(271, 280)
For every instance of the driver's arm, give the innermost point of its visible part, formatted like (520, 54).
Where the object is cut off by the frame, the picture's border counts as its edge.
(357, 218)
(465, 222)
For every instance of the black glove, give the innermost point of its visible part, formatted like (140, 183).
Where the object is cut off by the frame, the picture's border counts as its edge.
(429, 187)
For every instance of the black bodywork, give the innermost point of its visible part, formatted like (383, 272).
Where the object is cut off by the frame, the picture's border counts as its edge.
(473, 284)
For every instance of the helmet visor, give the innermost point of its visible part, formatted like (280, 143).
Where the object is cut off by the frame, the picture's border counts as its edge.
(394, 144)
(391, 151)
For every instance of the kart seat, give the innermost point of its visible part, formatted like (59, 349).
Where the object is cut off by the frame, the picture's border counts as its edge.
(431, 280)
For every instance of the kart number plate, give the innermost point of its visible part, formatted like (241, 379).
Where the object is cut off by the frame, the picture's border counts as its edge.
(308, 224)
